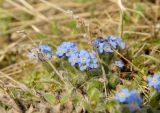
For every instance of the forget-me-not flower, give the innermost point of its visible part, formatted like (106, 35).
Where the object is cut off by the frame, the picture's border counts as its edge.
(135, 99)
(122, 96)
(154, 82)
(65, 49)
(119, 63)
(112, 41)
(83, 67)
(82, 58)
(120, 43)
(107, 48)
(106, 44)
(73, 59)
(93, 62)
(115, 42)
(132, 98)
(44, 50)
(98, 45)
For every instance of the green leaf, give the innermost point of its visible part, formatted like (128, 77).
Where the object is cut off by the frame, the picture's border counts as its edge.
(73, 26)
(93, 84)
(87, 106)
(50, 98)
(54, 27)
(154, 100)
(4, 24)
(155, 41)
(140, 7)
(65, 99)
(100, 107)
(113, 81)
(94, 95)
(127, 18)
(41, 35)
(76, 99)
(111, 106)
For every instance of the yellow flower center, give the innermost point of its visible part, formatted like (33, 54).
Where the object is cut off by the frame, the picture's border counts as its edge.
(83, 59)
(122, 94)
(154, 80)
(69, 52)
(62, 51)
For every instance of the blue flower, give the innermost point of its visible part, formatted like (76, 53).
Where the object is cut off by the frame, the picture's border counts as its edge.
(93, 65)
(112, 41)
(66, 49)
(122, 96)
(86, 60)
(135, 99)
(98, 45)
(73, 59)
(103, 47)
(119, 64)
(33, 54)
(97, 42)
(71, 51)
(93, 62)
(132, 98)
(45, 50)
(83, 52)
(120, 43)
(61, 51)
(106, 44)
(107, 48)
(100, 48)
(115, 42)
(83, 57)
(154, 81)
(80, 58)
(83, 67)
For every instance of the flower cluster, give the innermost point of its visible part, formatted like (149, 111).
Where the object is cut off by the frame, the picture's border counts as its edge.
(66, 49)
(80, 58)
(43, 50)
(154, 82)
(106, 44)
(129, 97)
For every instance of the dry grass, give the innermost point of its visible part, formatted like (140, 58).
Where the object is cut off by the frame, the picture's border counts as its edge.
(51, 22)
